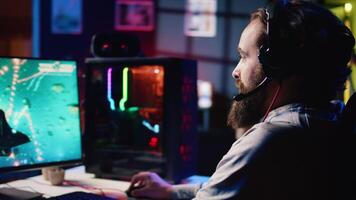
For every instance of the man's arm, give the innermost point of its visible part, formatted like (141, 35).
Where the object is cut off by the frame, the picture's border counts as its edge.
(185, 191)
(231, 174)
(150, 185)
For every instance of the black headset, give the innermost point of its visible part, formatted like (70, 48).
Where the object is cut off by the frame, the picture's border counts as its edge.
(280, 56)
(273, 59)
(281, 59)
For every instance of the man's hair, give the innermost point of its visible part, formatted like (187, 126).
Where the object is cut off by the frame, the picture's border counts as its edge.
(311, 42)
(261, 15)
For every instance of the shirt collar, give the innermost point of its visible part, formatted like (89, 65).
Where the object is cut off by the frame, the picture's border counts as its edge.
(329, 112)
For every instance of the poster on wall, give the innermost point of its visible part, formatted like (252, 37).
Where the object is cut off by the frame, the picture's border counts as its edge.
(66, 17)
(131, 15)
(200, 18)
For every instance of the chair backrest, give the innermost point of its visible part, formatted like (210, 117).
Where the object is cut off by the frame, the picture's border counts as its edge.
(349, 114)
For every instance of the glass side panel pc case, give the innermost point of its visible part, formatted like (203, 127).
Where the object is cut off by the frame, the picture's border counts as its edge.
(39, 114)
(140, 116)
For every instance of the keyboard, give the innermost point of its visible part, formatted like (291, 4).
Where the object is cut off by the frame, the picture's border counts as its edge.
(81, 196)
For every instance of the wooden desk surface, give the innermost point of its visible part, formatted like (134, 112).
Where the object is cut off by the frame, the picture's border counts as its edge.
(75, 180)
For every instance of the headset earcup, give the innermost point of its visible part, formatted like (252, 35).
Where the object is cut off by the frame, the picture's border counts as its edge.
(264, 59)
(274, 67)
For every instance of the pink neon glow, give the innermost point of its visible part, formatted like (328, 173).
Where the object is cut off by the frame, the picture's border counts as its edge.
(109, 84)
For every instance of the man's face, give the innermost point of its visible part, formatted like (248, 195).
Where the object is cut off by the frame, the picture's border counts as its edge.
(248, 74)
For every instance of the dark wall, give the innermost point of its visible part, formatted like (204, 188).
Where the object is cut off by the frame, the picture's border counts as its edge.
(216, 56)
(97, 17)
(15, 23)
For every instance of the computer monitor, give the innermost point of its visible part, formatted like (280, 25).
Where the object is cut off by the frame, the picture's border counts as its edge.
(141, 115)
(39, 114)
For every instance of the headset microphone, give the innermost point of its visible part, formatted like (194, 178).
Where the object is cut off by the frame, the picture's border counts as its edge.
(242, 96)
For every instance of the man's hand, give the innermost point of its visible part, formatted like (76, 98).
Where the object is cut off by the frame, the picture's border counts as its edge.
(150, 185)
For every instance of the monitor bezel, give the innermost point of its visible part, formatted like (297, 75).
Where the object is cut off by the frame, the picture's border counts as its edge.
(74, 162)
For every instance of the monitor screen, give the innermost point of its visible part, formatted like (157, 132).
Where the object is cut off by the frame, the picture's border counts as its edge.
(39, 113)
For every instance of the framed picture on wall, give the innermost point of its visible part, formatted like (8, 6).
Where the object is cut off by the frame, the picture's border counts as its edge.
(200, 18)
(131, 15)
(66, 17)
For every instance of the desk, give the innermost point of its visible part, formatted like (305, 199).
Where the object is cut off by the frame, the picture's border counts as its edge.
(76, 180)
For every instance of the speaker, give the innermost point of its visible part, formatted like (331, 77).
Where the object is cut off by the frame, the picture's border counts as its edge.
(115, 45)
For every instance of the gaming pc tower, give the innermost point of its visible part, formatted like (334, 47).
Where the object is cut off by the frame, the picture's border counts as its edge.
(140, 115)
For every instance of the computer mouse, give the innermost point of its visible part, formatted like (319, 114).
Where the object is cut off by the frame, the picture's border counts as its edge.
(132, 188)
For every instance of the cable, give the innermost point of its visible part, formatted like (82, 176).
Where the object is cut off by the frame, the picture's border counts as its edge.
(273, 101)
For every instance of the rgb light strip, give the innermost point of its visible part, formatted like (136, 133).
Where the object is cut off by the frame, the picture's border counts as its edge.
(111, 101)
(125, 73)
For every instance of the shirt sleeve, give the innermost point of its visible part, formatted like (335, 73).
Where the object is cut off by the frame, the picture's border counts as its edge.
(230, 175)
(185, 191)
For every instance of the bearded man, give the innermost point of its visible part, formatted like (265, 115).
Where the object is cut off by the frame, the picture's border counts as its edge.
(293, 63)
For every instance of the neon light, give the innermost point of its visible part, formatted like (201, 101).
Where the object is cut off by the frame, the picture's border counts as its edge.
(133, 109)
(124, 88)
(111, 101)
(154, 128)
(153, 142)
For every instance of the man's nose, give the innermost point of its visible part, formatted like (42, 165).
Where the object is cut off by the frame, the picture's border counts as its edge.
(235, 73)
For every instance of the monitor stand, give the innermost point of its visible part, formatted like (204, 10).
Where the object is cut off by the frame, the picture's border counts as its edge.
(15, 194)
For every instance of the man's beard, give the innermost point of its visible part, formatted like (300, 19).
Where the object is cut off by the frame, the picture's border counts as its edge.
(249, 110)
